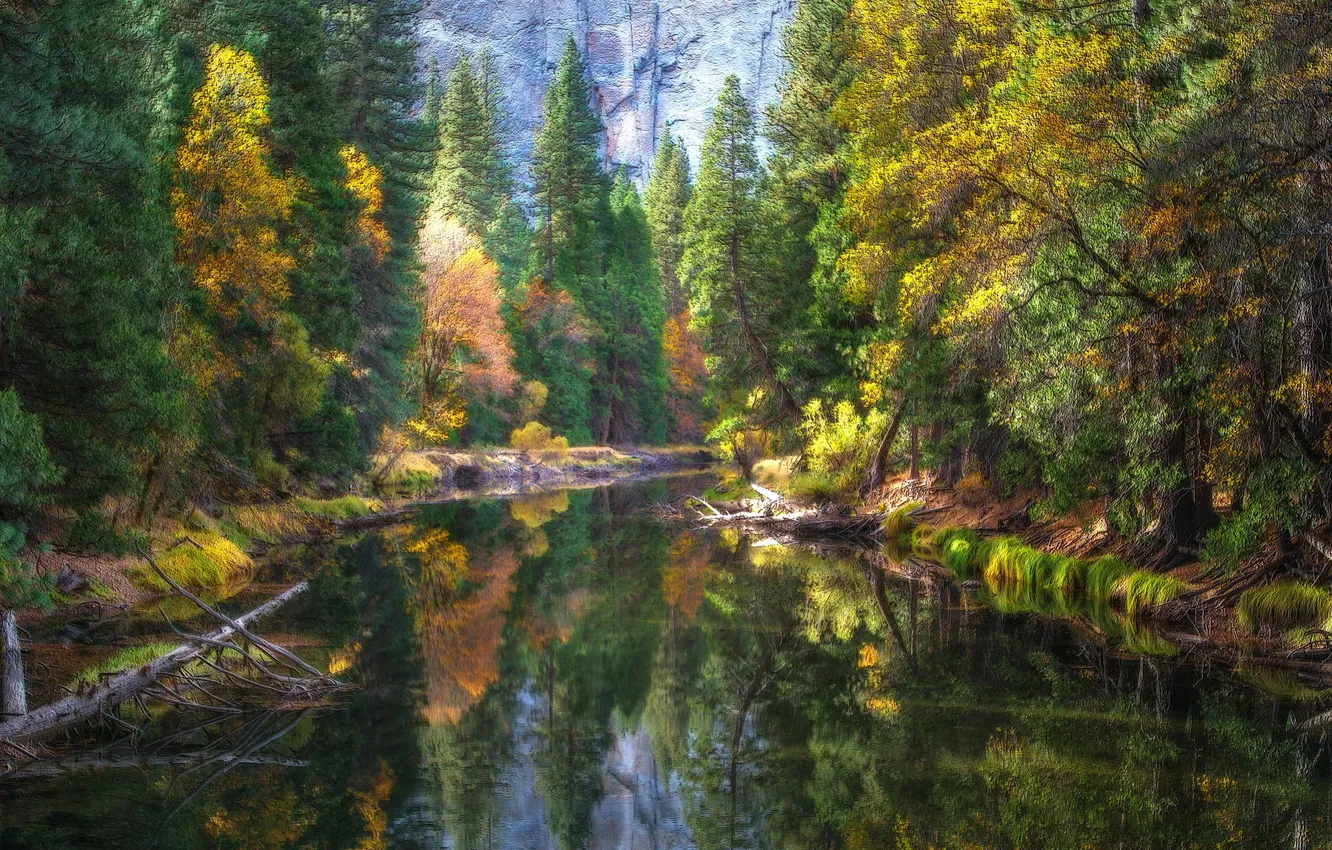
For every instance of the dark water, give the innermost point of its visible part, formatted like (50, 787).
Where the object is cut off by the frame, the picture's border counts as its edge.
(564, 672)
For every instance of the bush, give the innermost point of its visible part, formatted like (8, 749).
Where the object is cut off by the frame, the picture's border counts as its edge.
(840, 445)
(536, 438)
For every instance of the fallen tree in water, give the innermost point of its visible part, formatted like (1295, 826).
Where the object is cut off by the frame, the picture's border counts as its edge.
(149, 679)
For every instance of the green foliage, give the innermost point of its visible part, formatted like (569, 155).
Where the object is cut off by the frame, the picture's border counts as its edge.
(25, 466)
(899, 521)
(842, 444)
(21, 586)
(93, 532)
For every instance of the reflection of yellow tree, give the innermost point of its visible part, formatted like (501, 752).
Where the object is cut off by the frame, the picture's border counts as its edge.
(370, 806)
(684, 581)
(270, 818)
(535, 511)
(459, 629)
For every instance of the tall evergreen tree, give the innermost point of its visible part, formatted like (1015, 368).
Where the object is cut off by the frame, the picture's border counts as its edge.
(569, 185)
(569, 246)
(665, 200)
(728, 260)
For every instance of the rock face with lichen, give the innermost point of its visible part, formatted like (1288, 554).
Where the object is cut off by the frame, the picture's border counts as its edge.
(655, 64)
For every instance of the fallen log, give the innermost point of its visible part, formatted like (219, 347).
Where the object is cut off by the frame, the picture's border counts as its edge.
(123, 686)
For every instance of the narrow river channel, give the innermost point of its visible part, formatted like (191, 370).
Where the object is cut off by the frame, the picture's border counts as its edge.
(565, 671)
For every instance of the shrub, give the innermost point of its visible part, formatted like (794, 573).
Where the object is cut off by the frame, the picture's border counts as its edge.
(814, 487)
(92, 532)
(737, 442)
(536, 438)
(841, 444)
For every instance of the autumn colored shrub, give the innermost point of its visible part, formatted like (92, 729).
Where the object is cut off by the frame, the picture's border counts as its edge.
(536, 438)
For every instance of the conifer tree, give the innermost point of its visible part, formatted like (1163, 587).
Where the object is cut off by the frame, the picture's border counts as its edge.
(569, 185)
(665, 200)
(728, 256)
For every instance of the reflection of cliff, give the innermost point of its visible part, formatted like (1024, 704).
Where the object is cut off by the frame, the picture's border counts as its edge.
(656, 63)
(459, 610)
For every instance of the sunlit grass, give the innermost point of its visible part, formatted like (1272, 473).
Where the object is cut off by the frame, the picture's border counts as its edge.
(1022, 578)
(1283, 606)
(206, 562)
(1142, 589)
(126, 659)
(898, 520)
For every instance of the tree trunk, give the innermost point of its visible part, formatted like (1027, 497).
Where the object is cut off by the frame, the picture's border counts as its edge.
(915, 452)
(13, 694)
(878, 470)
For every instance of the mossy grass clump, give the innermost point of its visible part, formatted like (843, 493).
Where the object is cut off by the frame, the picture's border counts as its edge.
(1284, 606)
(343, 507)
(898, 520)
(1142, 589)
(1006, 563)
(1102, 575)
(956, 549)
(207, 562)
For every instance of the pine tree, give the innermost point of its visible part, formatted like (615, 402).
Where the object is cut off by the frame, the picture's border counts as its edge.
(728, 258)
(665, 200)
(569, 185)
(460, 180)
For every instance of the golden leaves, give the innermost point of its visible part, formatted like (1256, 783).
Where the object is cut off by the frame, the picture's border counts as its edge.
(226, 203)
(365, 182)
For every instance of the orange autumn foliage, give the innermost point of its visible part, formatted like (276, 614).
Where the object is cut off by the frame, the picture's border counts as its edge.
(459, 631)
(686, 375)
(464, 349)
(685, 578)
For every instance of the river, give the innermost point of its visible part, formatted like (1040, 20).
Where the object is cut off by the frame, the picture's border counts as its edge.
(565, 671)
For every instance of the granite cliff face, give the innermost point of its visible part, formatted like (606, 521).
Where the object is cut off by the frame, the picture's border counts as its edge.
(655, 63)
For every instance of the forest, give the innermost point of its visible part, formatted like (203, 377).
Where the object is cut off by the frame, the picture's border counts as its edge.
(1079, 250)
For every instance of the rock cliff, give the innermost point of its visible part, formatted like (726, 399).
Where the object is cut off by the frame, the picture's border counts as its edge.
(655, 63)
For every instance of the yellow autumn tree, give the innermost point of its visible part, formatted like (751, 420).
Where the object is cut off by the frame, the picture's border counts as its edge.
(365, 182)
(226, 202)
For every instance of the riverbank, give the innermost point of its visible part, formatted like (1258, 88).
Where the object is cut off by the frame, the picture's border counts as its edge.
(219, 550)
(1271, 610)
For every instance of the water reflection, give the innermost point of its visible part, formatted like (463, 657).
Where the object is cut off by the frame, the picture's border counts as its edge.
(563, 672)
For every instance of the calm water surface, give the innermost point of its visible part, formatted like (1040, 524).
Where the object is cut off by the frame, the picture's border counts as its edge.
(561, 671)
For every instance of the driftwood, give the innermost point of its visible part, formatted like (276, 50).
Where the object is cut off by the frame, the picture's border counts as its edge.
(125, 686)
